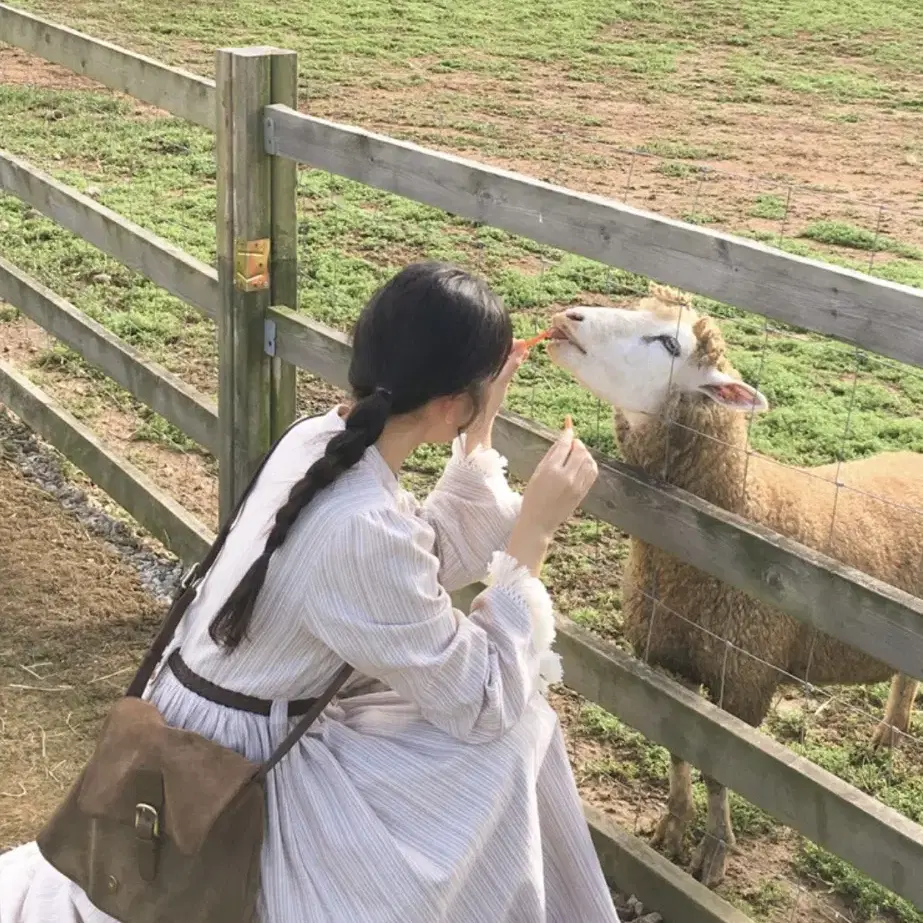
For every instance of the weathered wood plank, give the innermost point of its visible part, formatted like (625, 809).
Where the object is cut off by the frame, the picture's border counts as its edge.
(319, 349)
(866, 613)
(156, 511)
(632, 866)
(880, 316)
(170, 88)
(163, 263)
(149, 382)
(874, 838)
(283, 265)
(244, 228)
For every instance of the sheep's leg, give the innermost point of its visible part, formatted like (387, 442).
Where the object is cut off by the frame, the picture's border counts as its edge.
(710, 860)
(898, 712)
(680, 809)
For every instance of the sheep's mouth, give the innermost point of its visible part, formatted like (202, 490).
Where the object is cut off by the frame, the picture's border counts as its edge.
(562, 335)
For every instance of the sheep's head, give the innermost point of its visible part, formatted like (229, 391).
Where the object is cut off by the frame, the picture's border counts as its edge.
(637, 358)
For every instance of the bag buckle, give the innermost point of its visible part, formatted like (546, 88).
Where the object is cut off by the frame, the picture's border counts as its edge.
(147, 821)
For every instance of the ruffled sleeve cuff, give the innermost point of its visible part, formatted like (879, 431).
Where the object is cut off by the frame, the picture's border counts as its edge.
(470, 472)
(508, 576)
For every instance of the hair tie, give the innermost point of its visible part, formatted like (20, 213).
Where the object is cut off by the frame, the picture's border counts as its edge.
(383, 393)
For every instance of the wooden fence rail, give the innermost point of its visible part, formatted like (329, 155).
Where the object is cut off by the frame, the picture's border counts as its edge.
(879, 316)
(177, 91)
(876, 839)
(155, 510)
(158, 260)
(151, 384)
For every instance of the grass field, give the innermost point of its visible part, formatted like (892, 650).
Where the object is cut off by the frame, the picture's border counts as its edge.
(799, 123)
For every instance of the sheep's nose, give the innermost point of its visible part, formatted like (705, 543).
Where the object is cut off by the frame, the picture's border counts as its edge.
(575, 316)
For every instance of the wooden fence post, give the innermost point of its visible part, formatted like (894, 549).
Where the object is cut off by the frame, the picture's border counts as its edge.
(283, 259)
(243, 78)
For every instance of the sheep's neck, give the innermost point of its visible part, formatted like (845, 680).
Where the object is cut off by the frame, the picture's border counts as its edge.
(695, 445)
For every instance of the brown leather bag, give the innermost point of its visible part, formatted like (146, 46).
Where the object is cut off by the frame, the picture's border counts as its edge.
(164, 825)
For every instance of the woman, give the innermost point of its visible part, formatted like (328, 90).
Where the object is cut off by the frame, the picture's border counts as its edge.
(437, 788)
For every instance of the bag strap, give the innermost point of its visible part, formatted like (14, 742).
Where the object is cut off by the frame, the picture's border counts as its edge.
(190, 583)
(188, 590)
(299, 730)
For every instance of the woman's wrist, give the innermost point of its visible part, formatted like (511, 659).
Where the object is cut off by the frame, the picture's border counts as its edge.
(528, 545)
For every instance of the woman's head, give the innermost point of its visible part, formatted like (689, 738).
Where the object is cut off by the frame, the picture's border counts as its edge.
(432, 337)
(425, 347)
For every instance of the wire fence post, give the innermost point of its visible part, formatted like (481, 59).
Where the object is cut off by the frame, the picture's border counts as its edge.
(244, 244)
(283, 256)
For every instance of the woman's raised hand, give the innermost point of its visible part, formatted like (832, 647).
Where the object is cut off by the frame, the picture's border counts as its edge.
(480, 432)
(558, 485)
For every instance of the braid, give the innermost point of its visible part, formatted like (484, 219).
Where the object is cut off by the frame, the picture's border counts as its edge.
(363, 427)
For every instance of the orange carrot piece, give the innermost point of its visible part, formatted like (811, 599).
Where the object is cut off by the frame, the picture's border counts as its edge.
(568, 422)
(534, 341)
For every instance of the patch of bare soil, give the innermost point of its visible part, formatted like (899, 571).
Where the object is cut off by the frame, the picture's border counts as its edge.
(73, 623)
(17, 68)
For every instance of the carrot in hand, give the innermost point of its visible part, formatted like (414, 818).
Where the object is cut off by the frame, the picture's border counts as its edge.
(534, 341)
(568, 422)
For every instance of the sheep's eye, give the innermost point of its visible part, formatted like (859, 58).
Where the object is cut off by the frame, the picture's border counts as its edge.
(670, 344)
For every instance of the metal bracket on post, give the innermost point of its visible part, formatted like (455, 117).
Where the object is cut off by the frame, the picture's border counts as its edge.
(269, 337)
(269, 136)
(251, 264)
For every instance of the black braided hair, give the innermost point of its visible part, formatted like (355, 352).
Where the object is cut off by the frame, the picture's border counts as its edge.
(432, 331)
(363, 427)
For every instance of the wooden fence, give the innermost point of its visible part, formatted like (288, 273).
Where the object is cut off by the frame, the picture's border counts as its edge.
(260, 139)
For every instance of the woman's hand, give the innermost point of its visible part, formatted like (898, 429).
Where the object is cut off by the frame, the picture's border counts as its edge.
(557, 486)
(480, 432)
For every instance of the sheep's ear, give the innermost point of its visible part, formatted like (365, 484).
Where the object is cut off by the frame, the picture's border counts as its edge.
(733, 393)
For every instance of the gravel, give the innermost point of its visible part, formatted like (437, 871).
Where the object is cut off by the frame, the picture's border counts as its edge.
(159, 573)
(631, 910)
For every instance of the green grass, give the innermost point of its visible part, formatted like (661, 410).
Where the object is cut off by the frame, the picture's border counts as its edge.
(161, 173)
(868, 900)
(678, 150)
(676, 170)
(770, 207)
(770, 896)
(841, 234)
(800, 46)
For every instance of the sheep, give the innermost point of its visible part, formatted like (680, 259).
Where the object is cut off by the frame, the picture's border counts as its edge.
(681, 414)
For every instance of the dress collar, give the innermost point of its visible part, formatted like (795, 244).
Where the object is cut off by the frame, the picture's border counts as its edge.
(373, 460)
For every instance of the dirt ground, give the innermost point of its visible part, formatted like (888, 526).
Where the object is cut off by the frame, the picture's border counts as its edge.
(74, 621)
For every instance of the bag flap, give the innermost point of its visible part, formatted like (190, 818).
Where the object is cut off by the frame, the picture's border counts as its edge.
(200, 777)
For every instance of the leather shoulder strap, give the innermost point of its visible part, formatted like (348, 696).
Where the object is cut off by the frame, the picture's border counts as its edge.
(299, 730)
(191, 581)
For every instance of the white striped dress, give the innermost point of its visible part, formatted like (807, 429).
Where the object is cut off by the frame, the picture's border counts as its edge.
(436, 789)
